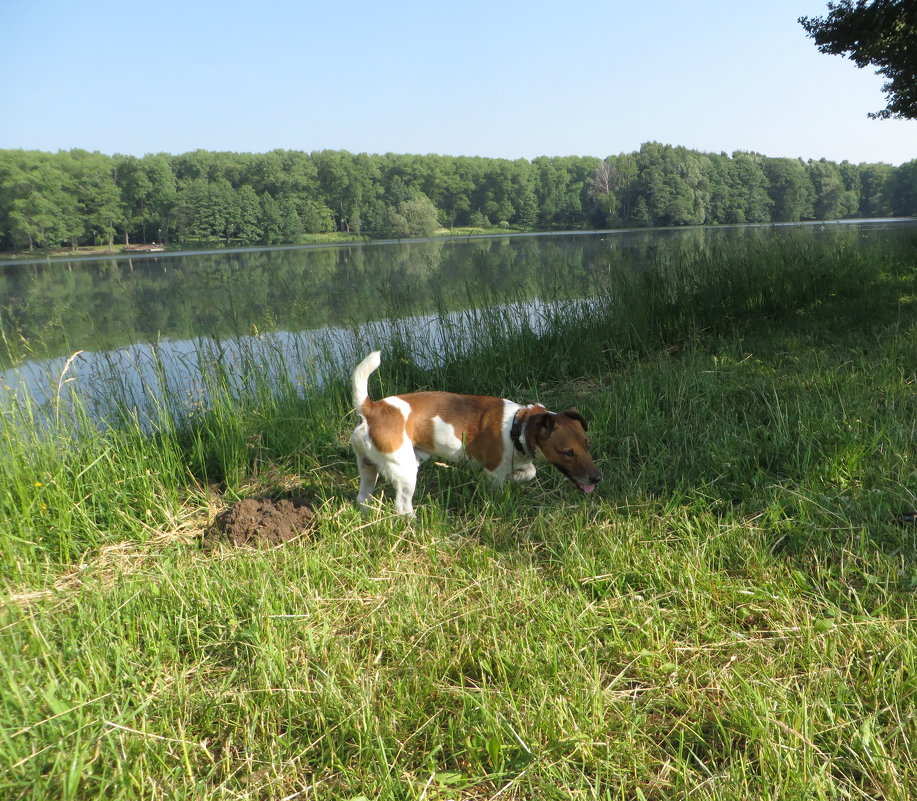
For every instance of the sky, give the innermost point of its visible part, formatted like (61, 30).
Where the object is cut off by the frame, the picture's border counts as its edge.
(496, 79)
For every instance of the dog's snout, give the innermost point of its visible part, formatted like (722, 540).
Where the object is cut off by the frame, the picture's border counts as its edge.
(596, 477)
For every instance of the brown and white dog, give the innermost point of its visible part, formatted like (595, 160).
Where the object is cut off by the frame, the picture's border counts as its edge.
(396, 433)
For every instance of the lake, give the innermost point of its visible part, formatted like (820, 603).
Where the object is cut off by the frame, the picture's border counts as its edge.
(140, 326)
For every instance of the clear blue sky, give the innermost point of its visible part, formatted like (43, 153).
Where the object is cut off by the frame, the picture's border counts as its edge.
(501, 79)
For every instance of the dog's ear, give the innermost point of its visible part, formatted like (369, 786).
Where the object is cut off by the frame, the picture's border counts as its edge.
(574, 414)
(542, 424)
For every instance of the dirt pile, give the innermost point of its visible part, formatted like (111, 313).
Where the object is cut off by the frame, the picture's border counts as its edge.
(260, 522)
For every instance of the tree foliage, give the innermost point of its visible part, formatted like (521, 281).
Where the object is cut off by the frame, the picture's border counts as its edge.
(76, 197)
(880, 33)
(414, 216)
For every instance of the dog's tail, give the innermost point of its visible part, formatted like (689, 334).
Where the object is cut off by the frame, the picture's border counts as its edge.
(361, 380)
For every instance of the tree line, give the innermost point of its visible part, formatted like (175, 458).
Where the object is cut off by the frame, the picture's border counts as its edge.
(76, 197)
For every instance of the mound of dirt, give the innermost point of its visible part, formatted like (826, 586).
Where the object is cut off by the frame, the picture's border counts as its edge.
(261, 522)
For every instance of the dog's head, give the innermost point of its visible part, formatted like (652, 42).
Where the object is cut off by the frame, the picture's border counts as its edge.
(561, 439)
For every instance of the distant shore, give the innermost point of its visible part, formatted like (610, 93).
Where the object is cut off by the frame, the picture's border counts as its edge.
(344, 238)
(334, 238)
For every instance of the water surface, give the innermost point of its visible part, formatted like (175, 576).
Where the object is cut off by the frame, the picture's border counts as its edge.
(140, 326)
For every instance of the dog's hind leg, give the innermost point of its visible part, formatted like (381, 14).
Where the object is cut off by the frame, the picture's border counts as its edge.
(403, 474)
(368, 475)
(404, 497)
(369, 472)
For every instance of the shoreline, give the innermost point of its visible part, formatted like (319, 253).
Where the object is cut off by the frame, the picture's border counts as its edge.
(342, 239)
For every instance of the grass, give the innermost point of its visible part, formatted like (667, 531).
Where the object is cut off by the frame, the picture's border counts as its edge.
(730, 616)
(216, 243)
(213, 243)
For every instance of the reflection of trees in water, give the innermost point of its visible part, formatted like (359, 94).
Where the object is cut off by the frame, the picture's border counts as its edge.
(55, 308)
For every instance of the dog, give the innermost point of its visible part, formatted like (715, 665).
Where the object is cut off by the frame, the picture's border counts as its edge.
(395, 434)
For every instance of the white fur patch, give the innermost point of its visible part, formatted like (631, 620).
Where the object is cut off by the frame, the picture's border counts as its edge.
(401, 405)
(514, 465)
(448, 445)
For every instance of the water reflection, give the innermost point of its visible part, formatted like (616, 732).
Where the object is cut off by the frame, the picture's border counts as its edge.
(149, 328)
(173, 377)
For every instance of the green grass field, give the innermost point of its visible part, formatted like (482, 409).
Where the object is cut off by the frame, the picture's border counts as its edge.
(732, 615)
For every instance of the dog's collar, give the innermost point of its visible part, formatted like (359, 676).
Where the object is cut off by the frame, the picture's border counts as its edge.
(517, 434)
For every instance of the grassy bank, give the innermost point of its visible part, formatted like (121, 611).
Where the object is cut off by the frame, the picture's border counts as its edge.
(332, 238)
(100, 251)
(730, 616)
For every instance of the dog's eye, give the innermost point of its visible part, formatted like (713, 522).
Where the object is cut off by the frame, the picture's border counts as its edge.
(567, 454)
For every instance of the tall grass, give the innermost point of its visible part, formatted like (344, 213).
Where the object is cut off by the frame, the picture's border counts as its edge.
(730, 616)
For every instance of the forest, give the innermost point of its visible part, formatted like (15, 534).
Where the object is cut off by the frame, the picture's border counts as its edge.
(73, 198)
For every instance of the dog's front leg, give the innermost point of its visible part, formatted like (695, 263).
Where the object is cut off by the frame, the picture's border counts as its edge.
(525, 472)
(495, 477)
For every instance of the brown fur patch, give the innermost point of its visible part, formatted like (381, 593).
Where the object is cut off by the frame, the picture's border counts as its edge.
(476, 419)
(386, 425)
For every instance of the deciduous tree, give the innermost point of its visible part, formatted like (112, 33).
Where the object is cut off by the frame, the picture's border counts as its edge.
(879, 33)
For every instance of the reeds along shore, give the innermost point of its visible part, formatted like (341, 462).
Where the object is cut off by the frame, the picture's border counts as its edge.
(730, 616)
(76, 482)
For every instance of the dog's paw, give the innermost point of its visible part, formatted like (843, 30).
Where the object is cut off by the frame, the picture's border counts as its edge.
(526, 473)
